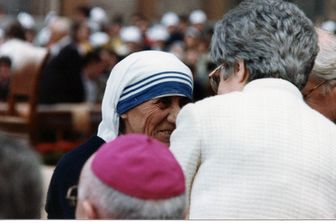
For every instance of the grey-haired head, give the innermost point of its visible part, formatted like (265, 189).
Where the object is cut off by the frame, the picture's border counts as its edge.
(325, 63)
(274, 38)
(21, 180)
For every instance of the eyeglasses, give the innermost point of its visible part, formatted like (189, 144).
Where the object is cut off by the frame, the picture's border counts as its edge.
(214, 78)
(71, 195)
(305, 95)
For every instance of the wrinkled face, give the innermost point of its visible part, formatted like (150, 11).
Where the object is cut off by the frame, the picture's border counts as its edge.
(155, 118)
(320, 95)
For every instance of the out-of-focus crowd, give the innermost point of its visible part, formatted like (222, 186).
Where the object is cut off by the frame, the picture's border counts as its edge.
(83, 49)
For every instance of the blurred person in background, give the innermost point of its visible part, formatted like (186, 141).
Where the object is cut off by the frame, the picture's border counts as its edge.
(14, 42)
(198, 20)
(93, 76)
(5, 72)
(98, 19)
(197, 39)
(21, 180)
(110, 59)
(157, 36)
(81, 13)
(195, 55)
(43, 36)
(132, 39)
(143, 23)
(171, 21)
(81, 35)
(192, 40)
(15, 47)
(61, 80)
(183, 23)
(143, 181)
(60, 31)
(320, 90)
(143, 94)
(28, 23)
(114, 33)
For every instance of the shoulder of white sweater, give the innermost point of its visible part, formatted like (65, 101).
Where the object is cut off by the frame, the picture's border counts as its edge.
(211, 101)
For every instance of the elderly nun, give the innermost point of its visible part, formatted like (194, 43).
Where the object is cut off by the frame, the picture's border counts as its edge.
(144, 93)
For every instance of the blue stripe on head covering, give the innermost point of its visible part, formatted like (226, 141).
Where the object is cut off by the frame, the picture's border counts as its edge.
(156, 90)
(154, 77)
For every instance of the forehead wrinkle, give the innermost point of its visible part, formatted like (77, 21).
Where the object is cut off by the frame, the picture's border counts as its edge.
(150, 108)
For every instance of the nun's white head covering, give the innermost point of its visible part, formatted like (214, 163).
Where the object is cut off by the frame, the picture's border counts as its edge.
(99, 39)
(138, 78)
(98, 15)
(157, 33)
(26, 20)
(197, 17)
(170, 19)
(130, 34)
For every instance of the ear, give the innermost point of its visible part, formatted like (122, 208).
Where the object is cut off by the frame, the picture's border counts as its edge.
(241, 72)
(124, 116)
(89, 210)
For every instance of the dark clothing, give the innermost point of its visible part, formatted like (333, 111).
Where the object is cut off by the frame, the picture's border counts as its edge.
(199, 92)
(174, 37)
(61, 80)
(66, 174)
(4, 90)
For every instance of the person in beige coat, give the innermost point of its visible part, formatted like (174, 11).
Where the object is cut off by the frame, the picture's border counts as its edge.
(257, 150)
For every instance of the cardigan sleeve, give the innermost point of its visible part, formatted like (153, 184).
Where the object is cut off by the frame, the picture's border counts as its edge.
(185, 144)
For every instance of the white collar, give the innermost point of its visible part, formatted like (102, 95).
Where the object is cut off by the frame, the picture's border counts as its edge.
(273, 83)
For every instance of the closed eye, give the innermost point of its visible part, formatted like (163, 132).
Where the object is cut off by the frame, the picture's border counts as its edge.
(164, 102)
(183, 101)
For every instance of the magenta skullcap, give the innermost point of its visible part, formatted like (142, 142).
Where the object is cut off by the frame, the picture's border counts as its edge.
(140, 167)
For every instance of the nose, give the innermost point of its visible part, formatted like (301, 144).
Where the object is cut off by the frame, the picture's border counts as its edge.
(174, 110)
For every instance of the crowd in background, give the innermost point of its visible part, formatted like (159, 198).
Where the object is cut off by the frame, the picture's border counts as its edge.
(85, 47)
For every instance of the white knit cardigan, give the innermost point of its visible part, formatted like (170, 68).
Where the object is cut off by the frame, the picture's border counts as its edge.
(257, 154)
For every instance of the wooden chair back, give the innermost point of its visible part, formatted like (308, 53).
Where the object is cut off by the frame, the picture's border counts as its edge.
(23, 91)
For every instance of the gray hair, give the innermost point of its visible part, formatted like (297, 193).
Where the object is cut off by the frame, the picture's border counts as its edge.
(325, 63)
(21, 181)
(273, 37)
(111, 203)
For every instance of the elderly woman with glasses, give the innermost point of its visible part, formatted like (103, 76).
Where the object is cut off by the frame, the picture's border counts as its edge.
(144, 93)
(257, 150)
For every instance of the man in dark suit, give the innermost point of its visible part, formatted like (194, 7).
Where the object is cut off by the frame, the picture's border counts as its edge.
(61, 80)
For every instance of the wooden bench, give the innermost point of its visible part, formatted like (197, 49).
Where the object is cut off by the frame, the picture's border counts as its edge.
(20, 120)
(22, 116)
